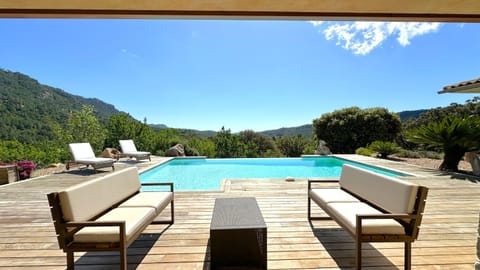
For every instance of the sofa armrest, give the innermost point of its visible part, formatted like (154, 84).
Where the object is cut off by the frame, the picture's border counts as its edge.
(159, 184)
(362, 217)
(317, 181)
(77, 225)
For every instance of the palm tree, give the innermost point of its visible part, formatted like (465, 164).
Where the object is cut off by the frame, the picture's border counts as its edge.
(454, 135)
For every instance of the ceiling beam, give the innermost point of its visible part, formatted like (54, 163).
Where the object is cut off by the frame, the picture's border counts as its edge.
(388, 10)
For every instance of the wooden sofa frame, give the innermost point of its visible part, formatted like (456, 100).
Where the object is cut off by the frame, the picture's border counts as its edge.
(411, 228)
(66, 230)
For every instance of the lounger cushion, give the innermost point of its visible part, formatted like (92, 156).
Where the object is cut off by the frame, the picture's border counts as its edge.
(95, 160)
(389, 193)
(346, 214)
(129, 149)
(322, 196)
(81, 151)
(138, 153)
(136, 219)
(156, 200)
(86, 200)
(128, 146)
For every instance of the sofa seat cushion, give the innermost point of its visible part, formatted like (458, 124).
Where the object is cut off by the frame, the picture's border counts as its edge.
(322, 196)
(136, 219)
(157, 200)
(346, 213)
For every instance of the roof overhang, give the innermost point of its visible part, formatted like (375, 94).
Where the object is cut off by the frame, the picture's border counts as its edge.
(387, 10)
(471, 86)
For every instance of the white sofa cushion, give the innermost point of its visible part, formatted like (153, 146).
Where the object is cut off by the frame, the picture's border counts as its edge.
(86, 200)
(154, 199)
(322, 196)
(389, 193)
(136, 219)
(346, 214)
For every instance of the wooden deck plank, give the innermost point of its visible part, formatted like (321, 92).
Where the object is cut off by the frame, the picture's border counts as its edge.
(447, 238)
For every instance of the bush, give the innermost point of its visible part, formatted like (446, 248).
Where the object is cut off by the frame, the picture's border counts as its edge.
(384, 149)
(454, 135)
(409, 154)
(25, 168)
(419, 154)
(364, 152)
(348, 129)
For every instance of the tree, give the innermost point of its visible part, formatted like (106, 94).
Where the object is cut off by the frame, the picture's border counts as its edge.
(205, 147)
(292, 146)
(257, 144)
(123, 127)
(83, 126)
(454, 135)
(350, 128)
(228, 145)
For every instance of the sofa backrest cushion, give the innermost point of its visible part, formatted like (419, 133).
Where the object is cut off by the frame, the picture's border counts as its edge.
(389, 193)
(86, 200)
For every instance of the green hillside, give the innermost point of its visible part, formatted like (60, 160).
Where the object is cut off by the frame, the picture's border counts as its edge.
(28, 108)
(305, 130)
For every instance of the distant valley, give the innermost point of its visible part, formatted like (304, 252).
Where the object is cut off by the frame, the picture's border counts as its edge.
(28, 108)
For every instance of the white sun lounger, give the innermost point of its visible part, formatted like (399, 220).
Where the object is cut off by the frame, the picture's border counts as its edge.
(129, 150)
(83, 154)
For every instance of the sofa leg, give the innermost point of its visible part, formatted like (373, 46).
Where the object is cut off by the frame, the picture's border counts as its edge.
(408, 255)
(70, 260)
(358, 256)
(172, 212)
(309, 204)
(123, 258)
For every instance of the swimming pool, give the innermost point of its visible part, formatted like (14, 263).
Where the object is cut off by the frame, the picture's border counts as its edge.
(207, 174)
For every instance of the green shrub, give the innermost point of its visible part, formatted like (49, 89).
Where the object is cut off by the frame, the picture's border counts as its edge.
(364, 151)
(419, 154)
(384, 149)
(190, 151)
(409, 154)
(350, 128)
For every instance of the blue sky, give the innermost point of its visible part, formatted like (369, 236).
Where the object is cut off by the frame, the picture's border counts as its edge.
(259, 75)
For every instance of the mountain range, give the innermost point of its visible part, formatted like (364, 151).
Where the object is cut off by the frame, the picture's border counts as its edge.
(27, 108)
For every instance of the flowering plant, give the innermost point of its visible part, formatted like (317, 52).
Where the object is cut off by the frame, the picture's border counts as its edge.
(25, 168)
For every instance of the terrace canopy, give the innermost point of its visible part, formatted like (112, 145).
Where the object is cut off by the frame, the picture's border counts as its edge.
(471, 86)
(406, 10)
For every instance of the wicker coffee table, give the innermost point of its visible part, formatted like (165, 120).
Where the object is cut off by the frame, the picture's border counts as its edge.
(238, 235)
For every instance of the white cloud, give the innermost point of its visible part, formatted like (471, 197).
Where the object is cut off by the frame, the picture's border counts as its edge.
(128, 53)
(316, 23)
(362, 37)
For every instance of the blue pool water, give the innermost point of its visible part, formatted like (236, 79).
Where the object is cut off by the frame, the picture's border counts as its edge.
(207, 174)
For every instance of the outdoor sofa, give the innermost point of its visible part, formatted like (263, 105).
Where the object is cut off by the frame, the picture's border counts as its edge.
(107, 213)
(371, 207)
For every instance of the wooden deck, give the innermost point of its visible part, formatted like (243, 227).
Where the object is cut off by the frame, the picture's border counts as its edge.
(447, 238)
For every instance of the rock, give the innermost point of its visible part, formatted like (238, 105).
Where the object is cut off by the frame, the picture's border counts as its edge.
(175, 151)
(322, 149)
(110, 153)
(55, 165)
(474, 160)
